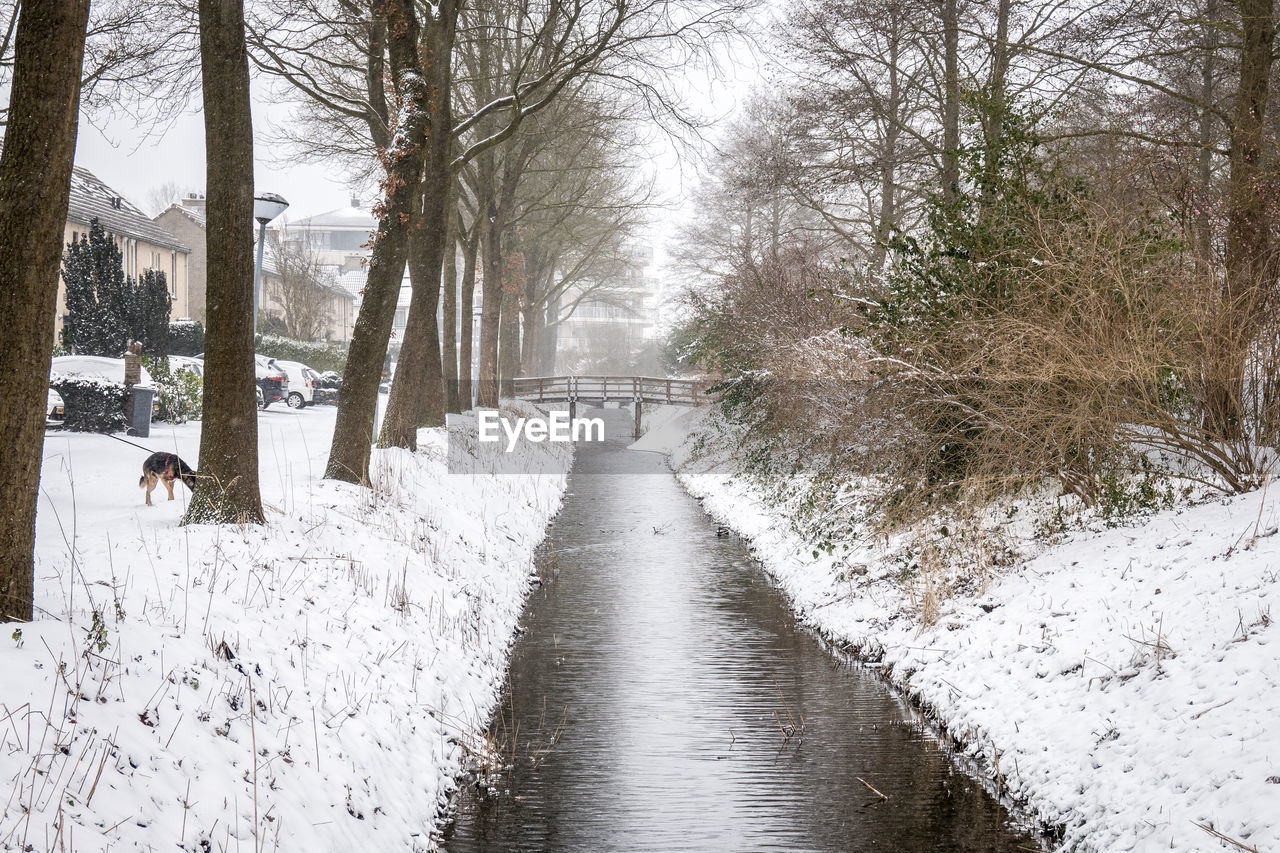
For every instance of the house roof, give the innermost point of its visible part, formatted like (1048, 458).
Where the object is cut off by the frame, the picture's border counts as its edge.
(194, 214)
(92, 199)
(350, 218)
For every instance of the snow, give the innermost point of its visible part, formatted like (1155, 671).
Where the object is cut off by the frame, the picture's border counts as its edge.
(94, 367)
(310, 684)
(1124, 683)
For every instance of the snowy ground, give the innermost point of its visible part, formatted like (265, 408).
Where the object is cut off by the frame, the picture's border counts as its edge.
(311, 684)
(1124, 684)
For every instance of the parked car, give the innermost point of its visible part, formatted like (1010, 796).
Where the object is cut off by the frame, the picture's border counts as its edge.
(95, 367)
(55, 411)
(302, 383)
(328, 387)
(262, 402)
(272, 379)
(185, 362)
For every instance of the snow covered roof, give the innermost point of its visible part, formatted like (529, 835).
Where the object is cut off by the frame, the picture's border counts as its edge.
(349, 218)
(92, 199)
(195, 214)
(353, 282)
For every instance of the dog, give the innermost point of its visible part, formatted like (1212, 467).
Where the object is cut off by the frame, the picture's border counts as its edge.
(165, 468)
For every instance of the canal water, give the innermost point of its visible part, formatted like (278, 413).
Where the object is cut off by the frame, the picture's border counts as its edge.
(663, 698)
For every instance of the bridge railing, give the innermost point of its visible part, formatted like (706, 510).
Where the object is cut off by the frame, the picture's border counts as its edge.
(650, 389)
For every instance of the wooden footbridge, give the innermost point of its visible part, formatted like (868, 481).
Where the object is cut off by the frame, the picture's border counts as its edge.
(598, 390)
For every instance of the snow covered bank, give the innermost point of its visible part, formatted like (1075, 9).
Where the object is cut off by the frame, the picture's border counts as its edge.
(1124, 684)
(311, 684)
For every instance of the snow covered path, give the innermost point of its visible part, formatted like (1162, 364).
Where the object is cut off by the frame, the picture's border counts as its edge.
(1125, 684)
(304, 685)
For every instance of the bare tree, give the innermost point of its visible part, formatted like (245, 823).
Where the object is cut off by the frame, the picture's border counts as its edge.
(304, 289)
(227, 490)
(397, 216)
(138, 60)
(333, 54)
(161, 196)
(35, 185)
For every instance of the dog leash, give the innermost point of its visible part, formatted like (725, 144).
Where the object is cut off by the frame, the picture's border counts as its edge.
(131, 444)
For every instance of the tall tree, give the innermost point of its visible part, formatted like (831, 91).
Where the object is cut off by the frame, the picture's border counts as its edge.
(97, 295)
(152, 307)
(304, 288)
(417, 397)
(1250, 265)
(397, 215)
(35, 185)
(227, 490)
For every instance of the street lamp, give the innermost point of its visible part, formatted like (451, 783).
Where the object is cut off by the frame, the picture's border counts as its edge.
(266, 207)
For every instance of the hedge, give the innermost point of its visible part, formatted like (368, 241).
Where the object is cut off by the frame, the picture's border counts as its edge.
(318, 355)
(186, 337)
(91, 405)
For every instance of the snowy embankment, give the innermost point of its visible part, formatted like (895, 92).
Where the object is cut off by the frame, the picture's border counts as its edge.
(1123, 684)
(310, 684)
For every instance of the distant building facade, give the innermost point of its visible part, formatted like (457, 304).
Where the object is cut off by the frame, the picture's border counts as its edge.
(614, 324)
(342, 240)
(143, 243)
(186, 218)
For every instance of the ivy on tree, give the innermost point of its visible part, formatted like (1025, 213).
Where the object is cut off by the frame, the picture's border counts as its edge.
(105, 310)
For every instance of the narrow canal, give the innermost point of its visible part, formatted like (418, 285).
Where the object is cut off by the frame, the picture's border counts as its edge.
(663, 698)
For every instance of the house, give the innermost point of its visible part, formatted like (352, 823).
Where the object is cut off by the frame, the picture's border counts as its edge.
(145, 244)
(339, 236)
(186, 219)
(341, 240)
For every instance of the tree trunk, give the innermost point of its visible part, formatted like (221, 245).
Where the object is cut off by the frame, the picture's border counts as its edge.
(491, 306)
(449, 315)
(530, 347)
(549, 338)
(35, 184)
(951, 100)
(1204, 187)
(466, 328)
(353, 432)
(509, 343)
(888, 213)
(417, 395)
(227, 489)
(996, 104)
(1248, 261)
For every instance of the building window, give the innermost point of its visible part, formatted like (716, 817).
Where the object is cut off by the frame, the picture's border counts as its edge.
(347, 241)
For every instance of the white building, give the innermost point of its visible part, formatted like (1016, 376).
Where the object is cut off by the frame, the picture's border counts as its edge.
(615, 321)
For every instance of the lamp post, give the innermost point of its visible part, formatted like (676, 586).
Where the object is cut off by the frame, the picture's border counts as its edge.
(266, 207)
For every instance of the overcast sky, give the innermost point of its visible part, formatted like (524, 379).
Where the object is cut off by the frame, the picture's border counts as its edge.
(136, 164)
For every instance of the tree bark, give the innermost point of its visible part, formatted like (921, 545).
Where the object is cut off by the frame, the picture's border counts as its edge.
(35, 184)
(951, 100)
(490, 307)
(1204, 187)
(1248, 258)
(996, 103)
(353, 432)
(449, 314)
(227, 489)
(532, 312)
(417, 395)
(466, 328)
(509, 336)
